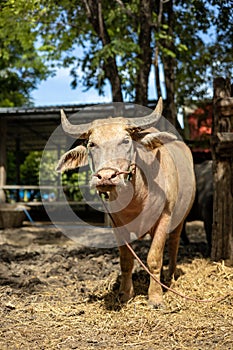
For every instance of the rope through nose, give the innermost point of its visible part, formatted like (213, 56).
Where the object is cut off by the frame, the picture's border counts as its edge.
(117, 172)
(123, 172)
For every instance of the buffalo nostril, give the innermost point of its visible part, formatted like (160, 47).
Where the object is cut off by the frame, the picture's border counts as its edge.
(106, 174)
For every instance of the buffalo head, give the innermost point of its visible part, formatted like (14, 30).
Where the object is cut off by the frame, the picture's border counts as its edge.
(110, 146)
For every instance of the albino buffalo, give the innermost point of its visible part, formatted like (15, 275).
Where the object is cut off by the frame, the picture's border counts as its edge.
(148, 177)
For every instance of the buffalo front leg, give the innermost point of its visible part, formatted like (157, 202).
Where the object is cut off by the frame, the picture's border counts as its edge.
(155, 261)
(126, 262)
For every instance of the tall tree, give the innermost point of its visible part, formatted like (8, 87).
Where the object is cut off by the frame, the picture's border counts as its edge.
(119, 41)
(21, 67)
(95, 15)
(145, 52)
(169, 61)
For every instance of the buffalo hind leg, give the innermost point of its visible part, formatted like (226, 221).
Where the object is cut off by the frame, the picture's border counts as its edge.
(173, 246)
(155, 261)
(126, 262)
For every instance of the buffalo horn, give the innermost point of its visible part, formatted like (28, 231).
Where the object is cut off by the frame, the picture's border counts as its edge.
(81, 131)
(77, 131)
(149, 120)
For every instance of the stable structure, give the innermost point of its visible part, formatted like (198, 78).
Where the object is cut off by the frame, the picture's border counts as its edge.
(222, 145)
(25, 129)
(28, 129)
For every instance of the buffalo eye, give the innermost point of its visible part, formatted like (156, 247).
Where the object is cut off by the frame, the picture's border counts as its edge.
(91, 144)
(126, 141)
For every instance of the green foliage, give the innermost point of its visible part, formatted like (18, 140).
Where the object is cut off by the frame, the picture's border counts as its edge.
(48, 174)
(199, 40)
(206, 36)
(70, 181)
(11, 168)
(29, 170)
(21, 67)
(34, 172)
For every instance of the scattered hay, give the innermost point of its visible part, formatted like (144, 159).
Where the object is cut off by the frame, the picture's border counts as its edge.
(55, 295)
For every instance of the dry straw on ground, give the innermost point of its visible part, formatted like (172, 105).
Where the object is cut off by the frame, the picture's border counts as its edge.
(55, 295)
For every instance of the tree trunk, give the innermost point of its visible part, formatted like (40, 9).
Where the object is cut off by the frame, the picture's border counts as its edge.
(169, 63)
(111, 72)
(145, 56)
(95, 16)
(222, 145)
(159, 11)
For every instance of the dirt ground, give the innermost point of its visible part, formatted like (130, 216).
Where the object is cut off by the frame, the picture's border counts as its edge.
(57, 295)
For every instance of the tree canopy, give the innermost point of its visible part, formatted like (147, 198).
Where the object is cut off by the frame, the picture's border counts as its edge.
(21, 67)
(185, 43)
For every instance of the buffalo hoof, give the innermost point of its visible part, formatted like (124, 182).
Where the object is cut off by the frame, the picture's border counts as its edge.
(156, 302)
(156, 305)
(124, 297)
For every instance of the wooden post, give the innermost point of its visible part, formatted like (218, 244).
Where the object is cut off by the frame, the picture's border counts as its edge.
(17, 164)
(59, 176)
(3, 128)
(222, 151)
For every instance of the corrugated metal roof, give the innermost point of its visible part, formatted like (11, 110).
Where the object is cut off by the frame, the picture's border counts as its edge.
(31, 127)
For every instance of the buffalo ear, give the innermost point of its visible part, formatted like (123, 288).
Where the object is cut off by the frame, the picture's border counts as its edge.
(157, 139)
(72, 159)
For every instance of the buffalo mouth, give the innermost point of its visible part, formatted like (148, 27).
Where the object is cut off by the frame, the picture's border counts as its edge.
(107, 179)
(105, 187)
